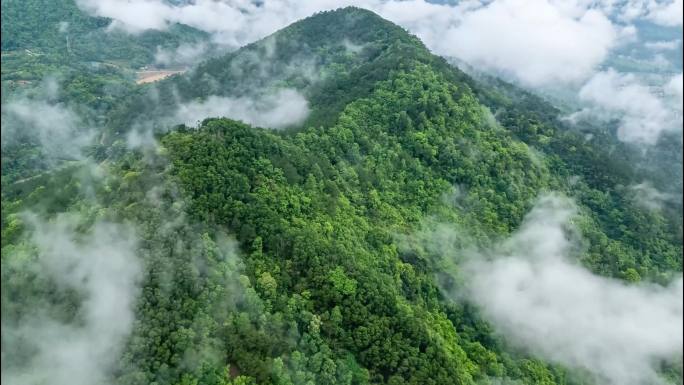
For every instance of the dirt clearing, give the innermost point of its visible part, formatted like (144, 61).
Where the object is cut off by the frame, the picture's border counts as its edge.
(155, 75)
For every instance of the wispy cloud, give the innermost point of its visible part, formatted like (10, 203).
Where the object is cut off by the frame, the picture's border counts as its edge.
(643, 115)
(102, 267)
(667, 45)
(283, 108)
(535, 292)
(57, 131)
(649, 197)
(184, 55)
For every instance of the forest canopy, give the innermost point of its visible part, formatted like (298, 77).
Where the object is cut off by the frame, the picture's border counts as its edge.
(202, 235)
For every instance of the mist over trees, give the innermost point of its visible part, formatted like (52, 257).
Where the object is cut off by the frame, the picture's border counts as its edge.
(331, 204)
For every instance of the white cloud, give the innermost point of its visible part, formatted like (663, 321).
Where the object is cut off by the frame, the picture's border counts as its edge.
(37, 117)
(235, 22)
(663, 45)
(133, 16)
(281, 109)
(649, 197)
(184, 55)
(663, 12)
(668, 13)
(627, 34)
(141, 139)
(63, 27)
(103, 268)
(643, 115)
(537, 41)
(55, 128)
(533, 41)
(674, 88)
(674, 98)
(542, 300)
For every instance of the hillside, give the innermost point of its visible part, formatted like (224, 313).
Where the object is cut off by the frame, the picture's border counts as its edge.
(331, 60)
(55, 55)
(308, 251)
(344, 77)
(40, 36)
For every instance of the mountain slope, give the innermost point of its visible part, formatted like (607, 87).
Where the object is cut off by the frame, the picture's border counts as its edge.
(291, 192)
(57, 59)
(319, 286)
(287, 59)
(315, 57)
(61, 32)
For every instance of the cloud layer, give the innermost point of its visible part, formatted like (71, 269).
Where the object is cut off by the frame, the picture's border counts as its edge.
(534, 41)
(540, 299)
(537, 41)
(643, 115)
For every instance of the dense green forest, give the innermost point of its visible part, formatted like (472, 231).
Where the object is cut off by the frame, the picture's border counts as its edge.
(40, 35)
(55, 44)
(276, 256)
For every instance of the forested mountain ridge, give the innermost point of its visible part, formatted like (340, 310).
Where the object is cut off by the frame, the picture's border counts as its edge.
(385, 49)
(319, 286)
(318, 56)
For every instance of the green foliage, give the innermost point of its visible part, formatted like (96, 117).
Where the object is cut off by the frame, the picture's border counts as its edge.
(329, 230)
(59, 31)
(315, 288)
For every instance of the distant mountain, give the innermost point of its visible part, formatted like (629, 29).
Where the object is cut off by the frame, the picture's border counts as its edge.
(56, 48)
(62, 32)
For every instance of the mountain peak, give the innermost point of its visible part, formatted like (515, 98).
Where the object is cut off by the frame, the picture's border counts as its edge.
(330, 57)
(354, 24)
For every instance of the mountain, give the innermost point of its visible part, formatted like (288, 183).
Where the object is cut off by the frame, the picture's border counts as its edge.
(55, 56)
(59, 32)
(331, 60)
(295, 253)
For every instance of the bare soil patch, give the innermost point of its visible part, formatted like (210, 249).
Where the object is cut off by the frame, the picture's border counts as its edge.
(155, 75)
